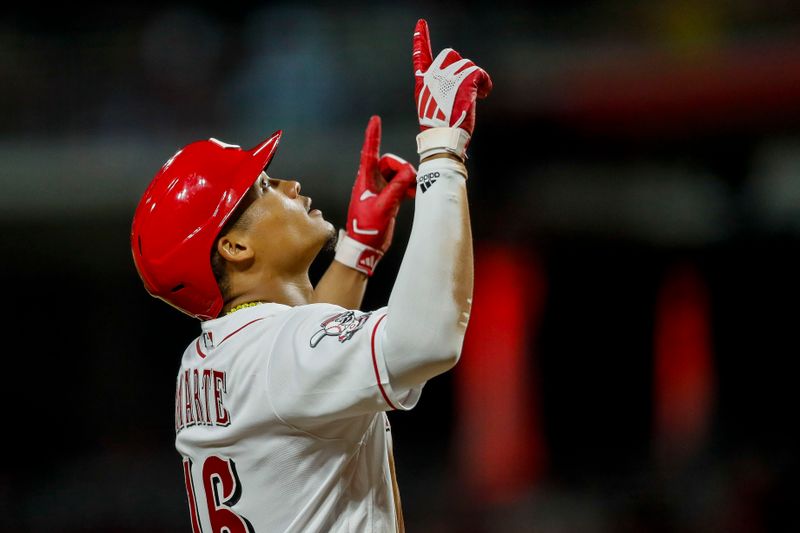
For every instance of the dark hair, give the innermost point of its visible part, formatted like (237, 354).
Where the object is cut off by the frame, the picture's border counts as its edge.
(220, 274)
(238, 221)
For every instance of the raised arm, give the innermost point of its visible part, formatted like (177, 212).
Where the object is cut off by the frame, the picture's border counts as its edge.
(380, 186)
(341, 285)
(430, 301)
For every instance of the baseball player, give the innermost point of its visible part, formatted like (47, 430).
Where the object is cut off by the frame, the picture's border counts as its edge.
(280, 402)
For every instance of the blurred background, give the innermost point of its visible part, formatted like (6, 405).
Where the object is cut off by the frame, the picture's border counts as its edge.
(635, 193)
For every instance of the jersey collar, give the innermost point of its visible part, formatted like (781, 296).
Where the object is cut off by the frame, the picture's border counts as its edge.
(216, 331)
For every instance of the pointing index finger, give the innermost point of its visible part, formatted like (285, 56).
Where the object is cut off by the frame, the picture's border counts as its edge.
(422, 55)
(372, 144)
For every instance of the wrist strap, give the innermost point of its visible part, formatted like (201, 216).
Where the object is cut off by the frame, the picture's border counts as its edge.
(428, 171)
(356, 255)
(442, 141)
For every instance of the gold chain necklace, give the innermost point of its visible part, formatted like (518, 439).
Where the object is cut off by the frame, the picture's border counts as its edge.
(243, 306)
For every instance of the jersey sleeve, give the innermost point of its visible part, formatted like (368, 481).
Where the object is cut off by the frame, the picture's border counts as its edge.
(327, 363)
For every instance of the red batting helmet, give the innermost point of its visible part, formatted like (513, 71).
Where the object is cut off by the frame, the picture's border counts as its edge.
(181, 214)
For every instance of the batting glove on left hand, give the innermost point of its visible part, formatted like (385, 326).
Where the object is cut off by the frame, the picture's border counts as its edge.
(446, 88)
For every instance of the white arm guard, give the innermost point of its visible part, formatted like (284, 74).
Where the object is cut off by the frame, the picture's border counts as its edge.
(429, 305)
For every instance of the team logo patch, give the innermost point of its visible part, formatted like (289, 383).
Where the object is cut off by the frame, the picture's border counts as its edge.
(344, 326)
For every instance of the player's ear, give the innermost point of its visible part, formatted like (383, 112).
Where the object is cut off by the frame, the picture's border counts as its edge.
(234, 248)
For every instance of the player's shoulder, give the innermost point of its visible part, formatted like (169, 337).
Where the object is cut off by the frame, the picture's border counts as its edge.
(302, 317)
(312, 323)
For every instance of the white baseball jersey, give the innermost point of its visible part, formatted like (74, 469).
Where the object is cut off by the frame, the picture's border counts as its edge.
(279, 415)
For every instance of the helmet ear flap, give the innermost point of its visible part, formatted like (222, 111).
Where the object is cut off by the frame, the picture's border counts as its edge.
(176, 224)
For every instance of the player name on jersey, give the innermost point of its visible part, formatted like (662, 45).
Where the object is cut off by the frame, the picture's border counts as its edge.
(199, 399)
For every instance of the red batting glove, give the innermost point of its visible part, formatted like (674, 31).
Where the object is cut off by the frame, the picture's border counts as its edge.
(381, 184)
(445, 91)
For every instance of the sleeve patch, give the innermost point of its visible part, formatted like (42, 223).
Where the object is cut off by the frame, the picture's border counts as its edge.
(343, 326)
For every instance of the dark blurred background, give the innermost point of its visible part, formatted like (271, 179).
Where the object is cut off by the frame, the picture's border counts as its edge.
(635, 191)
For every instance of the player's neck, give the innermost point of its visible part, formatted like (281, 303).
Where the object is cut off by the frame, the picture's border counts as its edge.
(295, 290)
(292, 290)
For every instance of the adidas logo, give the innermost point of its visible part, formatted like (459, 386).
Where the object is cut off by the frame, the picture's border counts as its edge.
(427, 180)
(368, 259)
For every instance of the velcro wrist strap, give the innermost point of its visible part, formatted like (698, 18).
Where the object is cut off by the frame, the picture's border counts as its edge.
(356, 255)
(442, 141)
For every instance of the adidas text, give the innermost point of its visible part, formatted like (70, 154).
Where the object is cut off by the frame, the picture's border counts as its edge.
(427, 180)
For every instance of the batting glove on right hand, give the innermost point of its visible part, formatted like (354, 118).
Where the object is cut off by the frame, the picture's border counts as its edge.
(446, 90)
(381, 184)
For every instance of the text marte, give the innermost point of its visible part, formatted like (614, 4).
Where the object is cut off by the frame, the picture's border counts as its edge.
(199, 399)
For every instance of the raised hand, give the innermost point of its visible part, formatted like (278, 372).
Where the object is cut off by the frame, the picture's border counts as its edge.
(380, 186)
(446, 87)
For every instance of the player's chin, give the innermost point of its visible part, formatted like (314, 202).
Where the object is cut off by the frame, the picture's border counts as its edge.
(318, 219)
(322, 228)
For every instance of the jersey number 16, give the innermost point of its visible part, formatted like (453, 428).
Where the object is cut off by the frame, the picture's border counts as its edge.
(223, 490)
